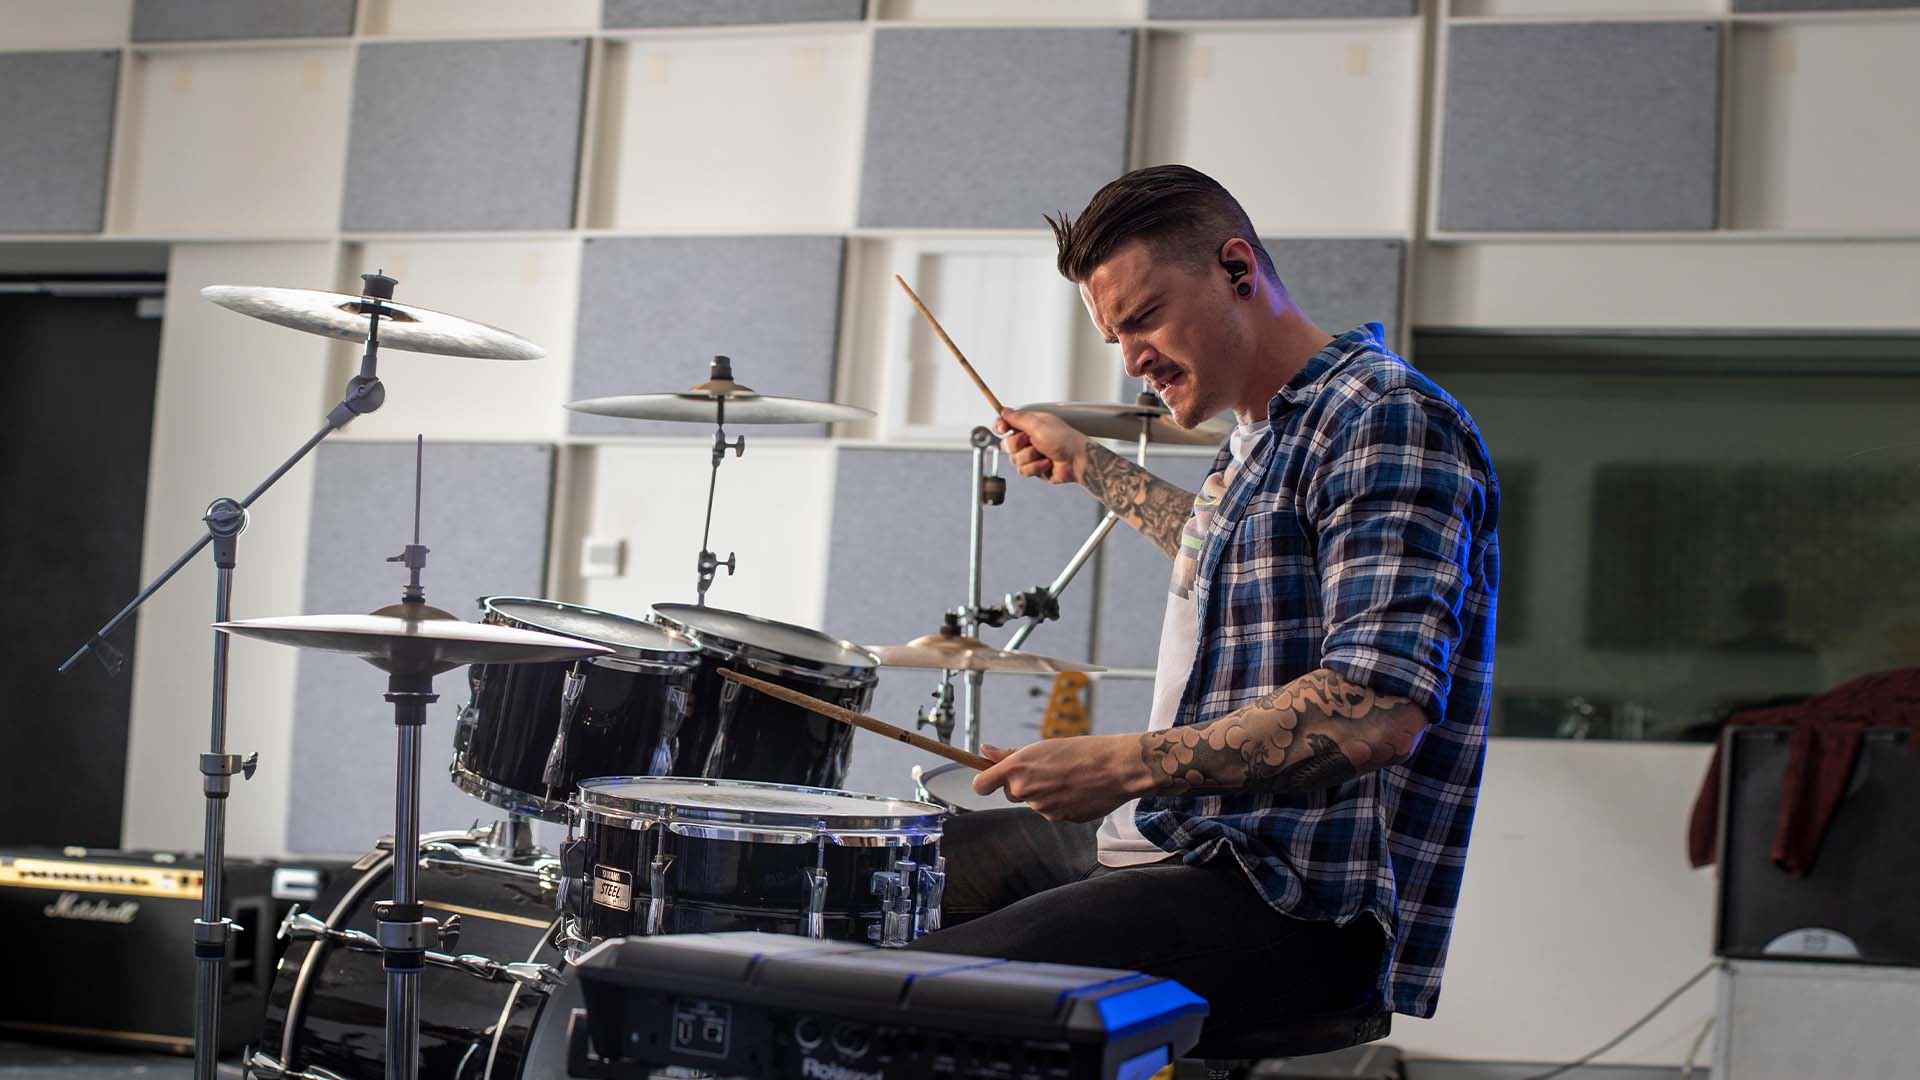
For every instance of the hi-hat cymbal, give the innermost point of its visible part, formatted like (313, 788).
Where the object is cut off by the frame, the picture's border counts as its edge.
(414, 638)
(950, 650)
(404, 327)
(700, 405)
(1113, 420)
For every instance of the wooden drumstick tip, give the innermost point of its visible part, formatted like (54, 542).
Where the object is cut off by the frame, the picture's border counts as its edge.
(951, 347)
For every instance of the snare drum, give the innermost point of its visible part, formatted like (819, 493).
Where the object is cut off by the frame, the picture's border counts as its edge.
(748, 735)
(951, 786)
(670, 856)
(533, 731)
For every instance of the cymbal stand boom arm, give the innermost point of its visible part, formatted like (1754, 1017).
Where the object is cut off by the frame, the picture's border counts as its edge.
(225, 519)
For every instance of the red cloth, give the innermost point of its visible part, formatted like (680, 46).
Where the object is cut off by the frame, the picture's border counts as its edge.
(1821, 751)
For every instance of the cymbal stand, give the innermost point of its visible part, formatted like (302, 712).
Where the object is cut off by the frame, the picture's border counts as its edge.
(225, 520)
(988, 489)
(721, 370)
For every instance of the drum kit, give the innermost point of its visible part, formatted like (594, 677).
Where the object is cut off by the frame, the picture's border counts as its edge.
(685, 750)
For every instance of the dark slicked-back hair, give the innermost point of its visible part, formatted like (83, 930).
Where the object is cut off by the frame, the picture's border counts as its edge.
(1181, 214)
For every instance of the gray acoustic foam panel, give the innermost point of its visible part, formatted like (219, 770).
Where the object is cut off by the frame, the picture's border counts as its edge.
(1582, 126)
(465, 135)
(207, 20)
(1280, 9)
(899, 559)
(993, 128)
(1821, 5)
(1343, 283)
(55, 179)
(1134, 576)
(1121, 704)
(628, 14)
(484, 519)
(654, 311)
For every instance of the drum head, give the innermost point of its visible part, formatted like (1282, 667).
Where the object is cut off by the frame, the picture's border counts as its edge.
(735, 633)
(627, 637)
(745, 802)
(951, 785)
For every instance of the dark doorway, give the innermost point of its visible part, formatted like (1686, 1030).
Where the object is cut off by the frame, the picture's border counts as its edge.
(75, 424)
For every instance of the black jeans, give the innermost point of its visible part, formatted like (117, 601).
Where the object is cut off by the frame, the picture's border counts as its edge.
(1022, 888)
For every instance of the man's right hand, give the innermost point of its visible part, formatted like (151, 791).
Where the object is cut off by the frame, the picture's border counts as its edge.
(1043, 445)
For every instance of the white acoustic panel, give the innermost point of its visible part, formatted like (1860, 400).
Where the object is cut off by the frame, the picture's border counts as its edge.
(772, 511)
(626, 14)
(654, 311)
(427, 18)
(527, 286)
(735, 132)
(465, 135)
(1231, 104)
(484, 519)
(1006, 308)
(1821, 5)
(36, 24)
(1812, 147)
(957, 135)
(203, 20)
(55, 179)
(1581, 126)
(234, 142)
(235, 397)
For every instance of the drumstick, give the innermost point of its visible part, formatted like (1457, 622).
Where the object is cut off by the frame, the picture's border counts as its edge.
(952, 348)
(859, 720)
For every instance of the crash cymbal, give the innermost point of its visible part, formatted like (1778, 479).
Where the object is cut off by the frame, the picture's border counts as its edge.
(700, 406)
(405, 327)
(1113, 420)
(950, 650)
(413, 638)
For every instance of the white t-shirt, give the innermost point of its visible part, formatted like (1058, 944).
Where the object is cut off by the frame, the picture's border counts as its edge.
(1120, 842)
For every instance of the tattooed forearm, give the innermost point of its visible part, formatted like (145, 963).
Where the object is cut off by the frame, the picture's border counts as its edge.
(1146, 502)
(1318, 731)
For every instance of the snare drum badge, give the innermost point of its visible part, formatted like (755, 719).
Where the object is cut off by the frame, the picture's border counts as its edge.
(612, 888)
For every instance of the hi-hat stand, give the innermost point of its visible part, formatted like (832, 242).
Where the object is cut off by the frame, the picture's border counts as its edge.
(1036, 605)
(225, 520)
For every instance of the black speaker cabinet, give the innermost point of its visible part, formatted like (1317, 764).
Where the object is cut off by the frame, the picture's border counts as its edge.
(1858, 905)
(101, 943)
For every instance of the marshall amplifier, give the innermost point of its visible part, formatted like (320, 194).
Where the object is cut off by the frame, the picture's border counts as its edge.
(102, 942)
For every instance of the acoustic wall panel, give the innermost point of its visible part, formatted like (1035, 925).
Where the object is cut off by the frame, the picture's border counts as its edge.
(1343, 283)
(1280, 9)
(628, 14)
(484, 518)
(1007, 11)
(56, 151)
(992, 128)
(1581, 126)
(1134, 575)
(1121, 704)
(653, 311)
(1744, 6)
(465, 135)
(898, 560)
(74, 24)
(206, 20)
(234, 142)
(1809, 149)
(1229, 103)
(731, 131)
(429, 18)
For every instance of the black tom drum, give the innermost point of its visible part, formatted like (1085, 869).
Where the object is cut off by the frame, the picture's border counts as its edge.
(533, 731)
(750, 736)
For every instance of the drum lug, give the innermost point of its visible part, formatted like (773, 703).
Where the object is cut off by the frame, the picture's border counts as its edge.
(815, 909)
(926, 900)
(895, 888)
(657, 891)
(555, 772)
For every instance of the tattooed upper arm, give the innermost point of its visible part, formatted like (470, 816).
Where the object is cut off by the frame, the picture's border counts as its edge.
(1317, 731)
(1152, 505)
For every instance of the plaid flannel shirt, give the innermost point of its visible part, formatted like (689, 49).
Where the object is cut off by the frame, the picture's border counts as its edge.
(1359, 536)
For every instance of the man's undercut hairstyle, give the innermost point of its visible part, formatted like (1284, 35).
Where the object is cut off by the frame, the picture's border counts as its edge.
(1181, 214)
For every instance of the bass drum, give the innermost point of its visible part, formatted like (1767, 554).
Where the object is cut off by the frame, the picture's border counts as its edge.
(326, 1016)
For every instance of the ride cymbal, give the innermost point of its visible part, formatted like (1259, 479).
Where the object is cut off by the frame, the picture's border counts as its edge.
(1114, 420)
(413, 638)
(403, 326)
(950, 650)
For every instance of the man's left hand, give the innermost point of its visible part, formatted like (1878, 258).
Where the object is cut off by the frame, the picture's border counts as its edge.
(1082, 778)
